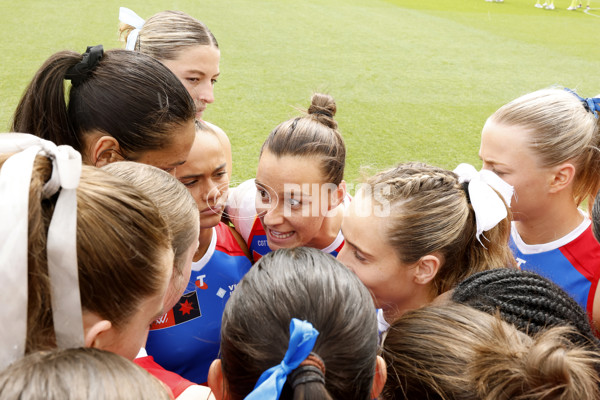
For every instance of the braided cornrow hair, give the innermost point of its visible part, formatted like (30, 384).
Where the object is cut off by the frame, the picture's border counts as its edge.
(525, 299)
(430, 212)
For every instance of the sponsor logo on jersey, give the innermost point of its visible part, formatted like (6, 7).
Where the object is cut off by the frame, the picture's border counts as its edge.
(186, 309)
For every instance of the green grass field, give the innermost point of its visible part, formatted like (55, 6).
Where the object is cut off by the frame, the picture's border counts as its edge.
(414, 80)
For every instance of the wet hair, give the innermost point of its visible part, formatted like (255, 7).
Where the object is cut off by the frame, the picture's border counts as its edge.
(79, 373)
(129, 96)
(310, 285)
(529, 301)
(121, 237)
(166, 34)
(458, 352)
(313, 135)
(559, 128)
(174, 201)
(431, 212)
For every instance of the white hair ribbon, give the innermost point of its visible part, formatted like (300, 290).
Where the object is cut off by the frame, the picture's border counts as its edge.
(488, 206)
(15, 179)
(129, 17)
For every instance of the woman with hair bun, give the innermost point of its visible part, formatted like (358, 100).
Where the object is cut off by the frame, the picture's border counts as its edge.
(546, 144)
(458, 352)
(318, 345)
(299, 194)
(120, 105)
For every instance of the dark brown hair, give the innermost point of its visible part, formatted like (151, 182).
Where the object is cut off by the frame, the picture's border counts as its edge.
(310, 285)
(313, 135)
(128, 95)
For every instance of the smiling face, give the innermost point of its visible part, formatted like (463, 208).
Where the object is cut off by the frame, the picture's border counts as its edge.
(205, 176)
(505, 151)
(369, 255)
(197, 67)
(291, 200)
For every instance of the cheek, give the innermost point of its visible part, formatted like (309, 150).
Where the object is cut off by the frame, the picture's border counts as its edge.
(306, 227)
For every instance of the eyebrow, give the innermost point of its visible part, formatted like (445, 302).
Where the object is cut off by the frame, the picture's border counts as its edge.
(176, 164)
(193, 176)
(354, 245)
(197, 71)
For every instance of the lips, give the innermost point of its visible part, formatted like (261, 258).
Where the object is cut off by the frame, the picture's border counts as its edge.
(214, 209)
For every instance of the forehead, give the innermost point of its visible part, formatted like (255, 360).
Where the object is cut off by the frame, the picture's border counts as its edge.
(277, 171)
(193, 56)
(504, 140)
(206, 154)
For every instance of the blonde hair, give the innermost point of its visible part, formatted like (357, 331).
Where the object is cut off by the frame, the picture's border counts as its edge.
(121, 238)
(458, 352)
(175, 204)
(430, 212)
(75, 374)
(558, 129)
(167, 33)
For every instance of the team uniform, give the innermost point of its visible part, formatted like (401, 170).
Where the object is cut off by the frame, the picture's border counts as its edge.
(176, 384)
(186, 339)
(572, 262)
(241, 209)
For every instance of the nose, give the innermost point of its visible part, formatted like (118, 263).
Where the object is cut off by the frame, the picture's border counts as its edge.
(273, 215)
(211, 191)
(205, 93)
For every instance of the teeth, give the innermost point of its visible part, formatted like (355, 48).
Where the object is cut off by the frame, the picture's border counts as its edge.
(280, 235)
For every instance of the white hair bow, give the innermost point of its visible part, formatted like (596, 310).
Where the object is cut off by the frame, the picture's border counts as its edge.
(129, 17)
(15, 179)
(488, 206)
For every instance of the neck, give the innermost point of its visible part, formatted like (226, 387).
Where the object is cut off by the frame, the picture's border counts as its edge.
(329, 229)
(204, 239)
(550, 226)
(418, 299)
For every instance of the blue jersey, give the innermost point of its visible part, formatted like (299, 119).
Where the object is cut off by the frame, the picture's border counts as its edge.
(186, 339)
(572, 262)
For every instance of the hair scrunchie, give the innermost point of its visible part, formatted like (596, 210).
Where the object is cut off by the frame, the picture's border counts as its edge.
(83, 69)
(590, 104)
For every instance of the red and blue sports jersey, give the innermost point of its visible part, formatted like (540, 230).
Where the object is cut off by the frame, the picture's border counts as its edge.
(186, 339)
(572, 262)
(242, 212)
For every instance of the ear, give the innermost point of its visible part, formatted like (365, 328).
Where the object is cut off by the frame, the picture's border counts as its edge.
(563, 175)
(216, 380)
(427, 268)
(379, 378)
(105, 151)
(96, 334)
(337, 196)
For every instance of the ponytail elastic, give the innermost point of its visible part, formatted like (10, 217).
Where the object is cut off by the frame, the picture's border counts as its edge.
(590, 104)
(302, 340)
(129, 17)
(83, 69)
(310, 370)
(15, 180)
(487, 204)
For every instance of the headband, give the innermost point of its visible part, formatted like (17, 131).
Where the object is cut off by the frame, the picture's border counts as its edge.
(590, 104)
(487, 204)
(302, 340)
(83, 69)
(15, 179)
(129, 17)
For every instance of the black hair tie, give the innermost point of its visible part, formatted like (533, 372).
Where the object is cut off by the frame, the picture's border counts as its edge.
(465, 188)
(83, 69)
(306, 374)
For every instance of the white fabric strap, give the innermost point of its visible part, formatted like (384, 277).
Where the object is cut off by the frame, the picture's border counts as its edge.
(15, 179)
(488, 206)
(129, 17)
